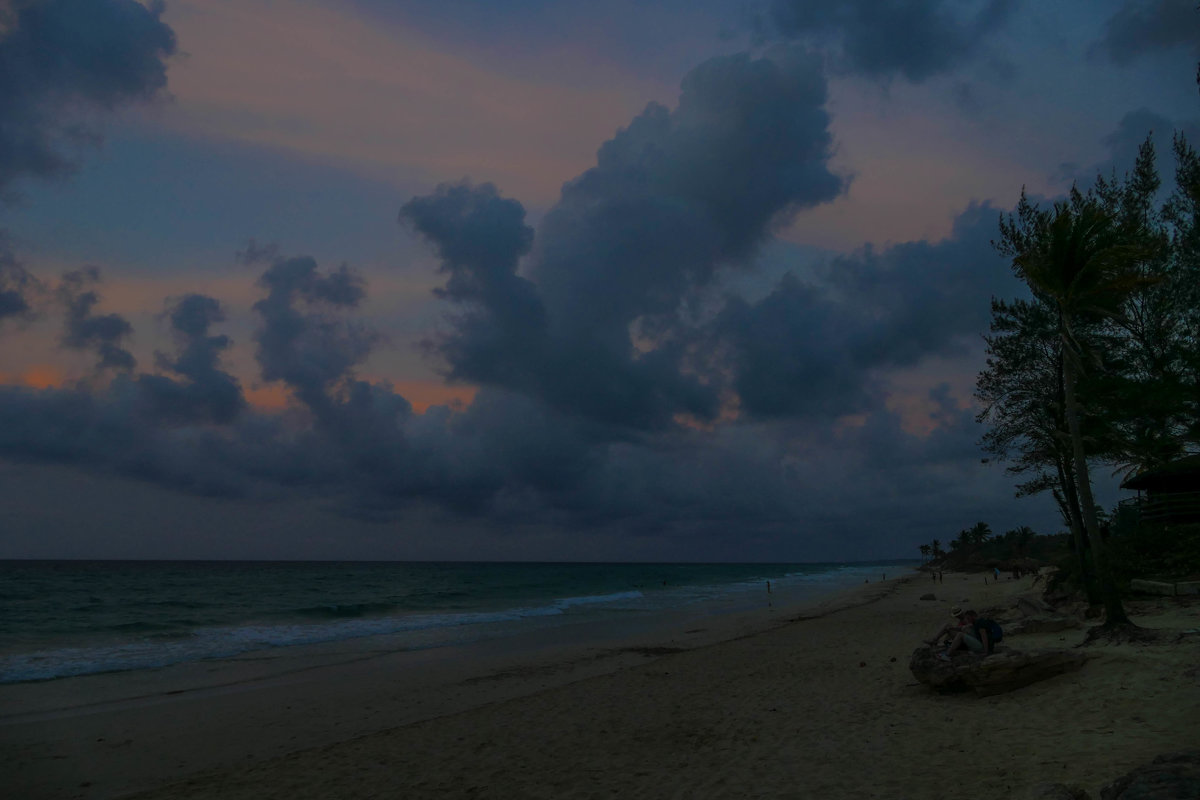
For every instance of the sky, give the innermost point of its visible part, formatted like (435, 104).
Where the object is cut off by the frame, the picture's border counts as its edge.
(651, 280)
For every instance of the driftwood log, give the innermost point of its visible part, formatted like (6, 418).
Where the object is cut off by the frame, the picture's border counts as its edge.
(1047, 623)
(1000, 672)
(1057, 791)
(1174, 776)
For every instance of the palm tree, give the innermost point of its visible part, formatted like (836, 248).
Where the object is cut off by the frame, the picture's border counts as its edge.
(1028, 424)
(1018, 540)
(980, 533)
(1081, 260)
(936, 544)
(925, 549)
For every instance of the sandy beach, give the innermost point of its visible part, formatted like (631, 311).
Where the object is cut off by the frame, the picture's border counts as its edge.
(783, 702)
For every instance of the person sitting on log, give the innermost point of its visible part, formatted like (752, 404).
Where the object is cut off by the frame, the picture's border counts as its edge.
(964, 638)
(987, 631)
(978, 635)
(950, 629)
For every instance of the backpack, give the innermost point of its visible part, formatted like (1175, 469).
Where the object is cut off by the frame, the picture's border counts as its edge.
(995, 632)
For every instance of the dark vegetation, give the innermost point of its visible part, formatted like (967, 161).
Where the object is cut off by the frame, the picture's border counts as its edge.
(1098, 368)
(976, 549)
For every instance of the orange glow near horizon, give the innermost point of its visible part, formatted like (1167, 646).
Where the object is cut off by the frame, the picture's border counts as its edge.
(274, 396)
(421, 394)
(424, 394)
(39, 376)
(42, 376)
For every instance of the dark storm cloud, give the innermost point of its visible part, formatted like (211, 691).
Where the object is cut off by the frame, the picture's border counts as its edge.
(1147, 27)
(1124, 142)
(917, 39)
(812, 348)
(60, 59)
(192, 429)
(86, 330)
(604, 348)
(206, 393)
(480, 237)
(304, 342)
(17, 286)
(674, 197)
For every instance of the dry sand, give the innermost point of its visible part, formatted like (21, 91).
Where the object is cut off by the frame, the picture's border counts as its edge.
(779, 704)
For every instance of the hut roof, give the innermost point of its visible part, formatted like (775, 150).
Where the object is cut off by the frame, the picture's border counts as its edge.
(1182, 475)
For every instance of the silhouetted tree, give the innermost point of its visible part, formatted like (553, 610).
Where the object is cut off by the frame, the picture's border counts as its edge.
(1081, 260)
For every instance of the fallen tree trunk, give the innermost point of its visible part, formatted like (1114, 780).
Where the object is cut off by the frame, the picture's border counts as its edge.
(1000, 672)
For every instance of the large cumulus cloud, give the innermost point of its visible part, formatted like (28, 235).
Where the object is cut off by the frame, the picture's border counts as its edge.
(598, 328)
(202, 392)
(63, 59)
(300, 343)
(815, 347)
(623, 385)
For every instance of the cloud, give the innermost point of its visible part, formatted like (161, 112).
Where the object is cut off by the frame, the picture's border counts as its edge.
(513, 458)
(206, 393)
(1145, 27)
(1124, 142)
(815, 348)
(62, 59)
(17, 286)
(480, 238)
(85, 330)
(674, 197)
(302, 341)
(915, 39)
(623, 385)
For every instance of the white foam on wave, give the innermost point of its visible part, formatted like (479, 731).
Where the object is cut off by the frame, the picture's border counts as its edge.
(587, 600)
(224, 642)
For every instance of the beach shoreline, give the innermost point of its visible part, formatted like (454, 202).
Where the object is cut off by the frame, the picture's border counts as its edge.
(542, 718)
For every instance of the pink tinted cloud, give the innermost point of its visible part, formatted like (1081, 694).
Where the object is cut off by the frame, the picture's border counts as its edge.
(312, 78)
(915, 164)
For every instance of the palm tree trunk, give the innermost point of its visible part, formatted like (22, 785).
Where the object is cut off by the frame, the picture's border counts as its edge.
(1114, 611)
(1066, 478)
(1075, 520)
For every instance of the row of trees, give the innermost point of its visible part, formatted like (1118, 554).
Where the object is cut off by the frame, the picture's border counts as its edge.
(1101, 366)
(1015, 542)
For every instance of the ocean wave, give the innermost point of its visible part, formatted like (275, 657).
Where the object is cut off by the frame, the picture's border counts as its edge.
(161, 649)
(341, 610)
(587, 600)
(430, 612)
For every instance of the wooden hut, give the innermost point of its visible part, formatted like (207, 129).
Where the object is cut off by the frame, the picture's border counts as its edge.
(1168, 494)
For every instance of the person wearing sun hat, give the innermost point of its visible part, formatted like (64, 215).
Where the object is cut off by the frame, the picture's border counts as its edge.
(975, 636)
(950, 629)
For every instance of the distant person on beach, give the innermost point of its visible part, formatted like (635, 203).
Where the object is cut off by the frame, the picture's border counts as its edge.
(950, 629)
(996, 573)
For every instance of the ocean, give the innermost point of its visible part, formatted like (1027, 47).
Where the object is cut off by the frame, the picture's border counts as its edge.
(66, 618)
